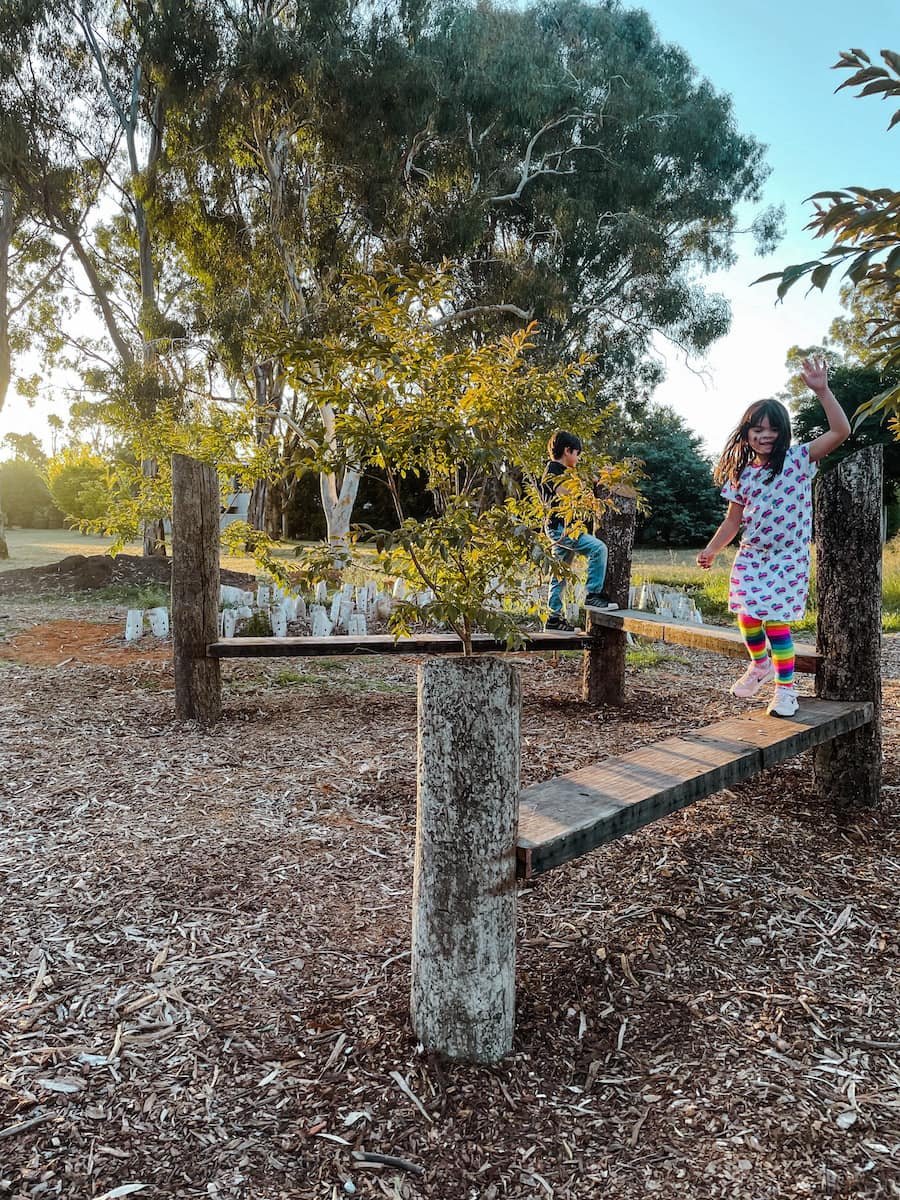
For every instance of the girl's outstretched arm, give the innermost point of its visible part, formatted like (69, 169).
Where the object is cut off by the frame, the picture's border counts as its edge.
(733, 520)
(815, 376)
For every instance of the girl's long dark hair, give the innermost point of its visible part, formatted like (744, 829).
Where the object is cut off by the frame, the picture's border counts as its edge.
(737, 453)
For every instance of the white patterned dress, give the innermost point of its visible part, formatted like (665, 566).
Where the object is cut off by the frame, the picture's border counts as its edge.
(770, 576)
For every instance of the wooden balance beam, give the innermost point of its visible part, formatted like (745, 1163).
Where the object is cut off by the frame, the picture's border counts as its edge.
(572, 814)
(722, 640)
(377, 643)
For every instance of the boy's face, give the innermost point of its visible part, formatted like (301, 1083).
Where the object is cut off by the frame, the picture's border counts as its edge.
(570, 458)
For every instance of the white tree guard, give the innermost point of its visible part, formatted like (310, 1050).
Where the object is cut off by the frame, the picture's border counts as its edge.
(321, 626)
(134, 624)
(159, 621)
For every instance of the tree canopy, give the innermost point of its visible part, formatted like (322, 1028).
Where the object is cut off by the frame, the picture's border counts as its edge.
(216, 172)
(854, 383)
(681, 504)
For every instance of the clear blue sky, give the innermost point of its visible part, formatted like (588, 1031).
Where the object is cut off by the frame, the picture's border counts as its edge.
(773, 58)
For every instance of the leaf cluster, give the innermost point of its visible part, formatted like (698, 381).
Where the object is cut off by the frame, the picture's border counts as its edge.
(474, 420)
(864, 225)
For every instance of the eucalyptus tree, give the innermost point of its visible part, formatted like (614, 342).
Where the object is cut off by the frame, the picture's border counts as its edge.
(254, 205)
(568, 161)
(28, 260)
(95, 91)
(568, 164)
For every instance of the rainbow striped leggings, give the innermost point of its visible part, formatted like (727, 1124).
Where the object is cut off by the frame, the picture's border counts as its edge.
(755, 633)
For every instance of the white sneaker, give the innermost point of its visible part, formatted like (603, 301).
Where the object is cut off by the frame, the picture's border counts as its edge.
(753, 678)
(784, 702)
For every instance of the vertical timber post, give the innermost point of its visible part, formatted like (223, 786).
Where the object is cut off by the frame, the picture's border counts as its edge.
(848, 589)
(195, 589)
(464, 887)
(603, 672)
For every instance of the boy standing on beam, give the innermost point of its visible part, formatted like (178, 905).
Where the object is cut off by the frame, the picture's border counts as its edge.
(564, 450)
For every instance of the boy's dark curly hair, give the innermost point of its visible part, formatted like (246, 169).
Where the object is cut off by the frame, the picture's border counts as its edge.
(561, 441)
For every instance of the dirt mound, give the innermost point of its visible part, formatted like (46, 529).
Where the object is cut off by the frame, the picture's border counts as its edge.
(89, 572)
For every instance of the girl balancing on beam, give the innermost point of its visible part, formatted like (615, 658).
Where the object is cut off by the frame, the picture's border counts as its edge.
(768, 485)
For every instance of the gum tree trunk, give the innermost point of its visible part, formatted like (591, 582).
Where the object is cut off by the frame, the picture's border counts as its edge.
(464, 891)
(603, 674)
(848, 587)
(195, 589)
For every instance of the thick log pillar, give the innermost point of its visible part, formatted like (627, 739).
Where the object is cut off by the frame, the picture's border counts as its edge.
(848, 589)
(464, 889)
(195, 589)
(603, 672)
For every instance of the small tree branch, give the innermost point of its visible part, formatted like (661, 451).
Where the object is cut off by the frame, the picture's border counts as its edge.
(527, 174)
(461, 314)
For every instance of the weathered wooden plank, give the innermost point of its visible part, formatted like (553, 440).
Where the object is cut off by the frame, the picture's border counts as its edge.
(718, 638)
(779, 738)
(565, 817)
(376, 643)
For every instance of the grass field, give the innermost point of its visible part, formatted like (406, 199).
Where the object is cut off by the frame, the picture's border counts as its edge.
(38, 547)
(673, 568)
(709, 589)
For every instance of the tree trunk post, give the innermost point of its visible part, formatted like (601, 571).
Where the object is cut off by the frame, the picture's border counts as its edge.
(848, 588)
(603, 673)
(464, 888)
(195, 589)
(153, 532)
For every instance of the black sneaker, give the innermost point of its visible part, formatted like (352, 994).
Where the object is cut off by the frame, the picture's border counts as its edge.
(558, 622)
(600, 600)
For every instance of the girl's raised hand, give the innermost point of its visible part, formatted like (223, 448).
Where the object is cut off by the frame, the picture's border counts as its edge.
(815, 374)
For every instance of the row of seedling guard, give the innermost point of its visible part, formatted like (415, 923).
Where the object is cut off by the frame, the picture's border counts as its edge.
(672, 605)
(349, 610)
(352, 607)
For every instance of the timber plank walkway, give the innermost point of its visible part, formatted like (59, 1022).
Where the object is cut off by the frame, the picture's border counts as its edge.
(386, 643)
(572, 814)
(727, 641)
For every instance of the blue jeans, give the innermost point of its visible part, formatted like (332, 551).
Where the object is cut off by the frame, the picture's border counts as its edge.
(564, 548)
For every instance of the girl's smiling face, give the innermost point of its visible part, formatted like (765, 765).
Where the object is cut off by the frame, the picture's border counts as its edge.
(761, 438)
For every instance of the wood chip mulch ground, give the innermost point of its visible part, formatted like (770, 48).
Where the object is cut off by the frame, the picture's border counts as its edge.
(204, 967)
